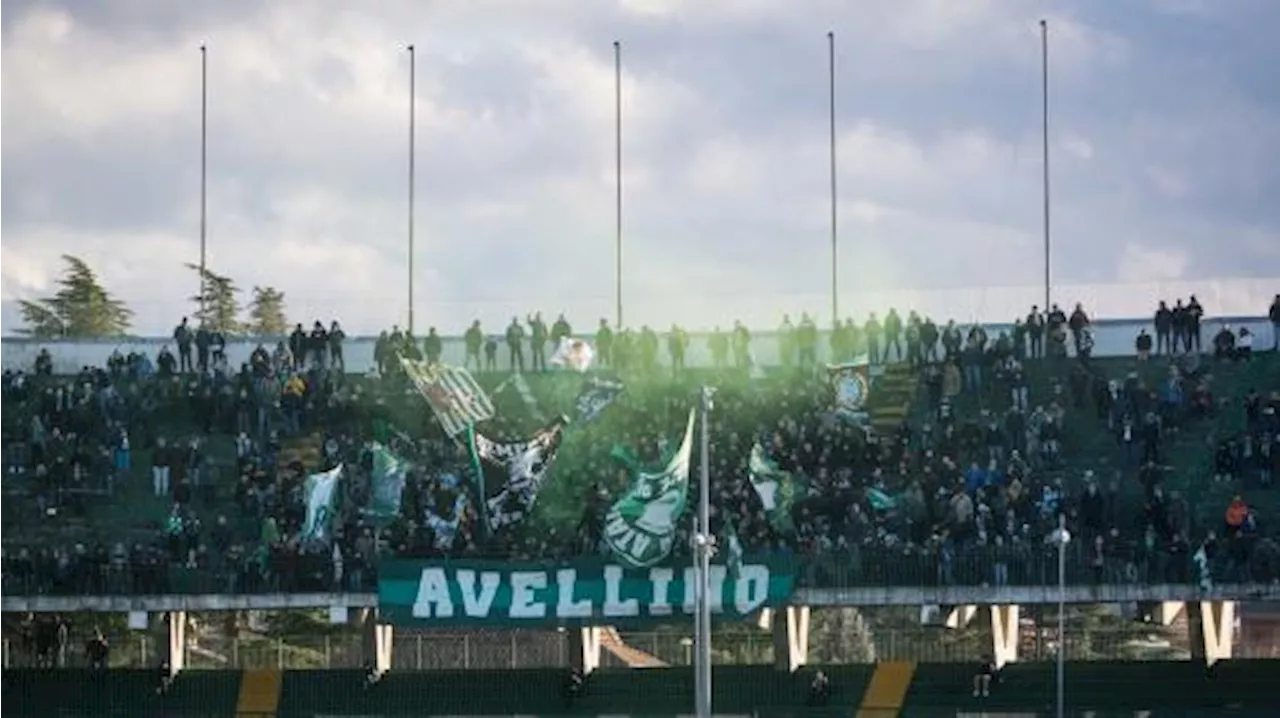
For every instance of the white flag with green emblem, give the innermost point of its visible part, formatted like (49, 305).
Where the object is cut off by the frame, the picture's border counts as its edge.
(641, 527)
(321, 495)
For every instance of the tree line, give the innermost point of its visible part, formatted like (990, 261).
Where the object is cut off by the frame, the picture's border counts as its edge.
(82, 308)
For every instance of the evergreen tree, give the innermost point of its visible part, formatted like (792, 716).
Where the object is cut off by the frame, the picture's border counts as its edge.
(82, 308)
(266, 313)
(218, 304)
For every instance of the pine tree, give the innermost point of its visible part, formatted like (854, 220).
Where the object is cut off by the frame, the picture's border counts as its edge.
(82, 308)
(218, 304)
(266, 313)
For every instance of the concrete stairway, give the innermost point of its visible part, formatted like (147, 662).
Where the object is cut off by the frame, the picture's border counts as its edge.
(611, 641)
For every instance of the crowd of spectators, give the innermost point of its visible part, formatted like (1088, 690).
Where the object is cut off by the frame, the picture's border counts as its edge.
(978, 472)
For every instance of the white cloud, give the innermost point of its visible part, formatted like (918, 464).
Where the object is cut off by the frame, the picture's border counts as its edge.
(725, 156)
(1078, 147)
(1140, 264)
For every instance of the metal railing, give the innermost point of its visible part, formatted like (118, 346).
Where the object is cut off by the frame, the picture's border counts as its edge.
(865, 566)
(508, 650)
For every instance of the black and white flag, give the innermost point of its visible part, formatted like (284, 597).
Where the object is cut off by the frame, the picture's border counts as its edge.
(524, 464)
(596, 396)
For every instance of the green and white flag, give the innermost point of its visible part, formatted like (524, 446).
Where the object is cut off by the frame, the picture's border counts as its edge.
(387, 482)
(778, 490)
(320, 492)
(640, 528)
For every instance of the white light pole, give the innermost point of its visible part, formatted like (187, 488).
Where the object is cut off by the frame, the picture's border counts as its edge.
(704, 546)
(1060, 538)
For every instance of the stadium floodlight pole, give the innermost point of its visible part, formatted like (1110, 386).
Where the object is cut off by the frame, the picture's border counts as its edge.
(617, 175)
(1044, 143)
(704, 547)
(1061, 537)
(204, 171)
(831, 107)
(413, 125)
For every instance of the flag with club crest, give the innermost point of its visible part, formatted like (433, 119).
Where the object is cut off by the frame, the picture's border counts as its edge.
(850, 385)
(455, 397)
(518, 466)
(596, 396)
(320, 496)
(778, 490)
(640, 528)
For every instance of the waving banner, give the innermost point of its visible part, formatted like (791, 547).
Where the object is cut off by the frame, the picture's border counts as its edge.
(778, 490)
(596, 396)
(522, 464)
(320, 492)
(387, 483)
(641, 527)
(453, 394)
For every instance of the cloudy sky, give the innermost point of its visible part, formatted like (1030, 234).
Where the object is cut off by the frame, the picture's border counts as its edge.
(1165, 135)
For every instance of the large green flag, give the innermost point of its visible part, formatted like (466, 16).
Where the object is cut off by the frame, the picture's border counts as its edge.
(388, 485)
(778, 490)
(640, 528)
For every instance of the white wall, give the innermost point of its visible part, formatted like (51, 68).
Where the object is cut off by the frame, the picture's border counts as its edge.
(1113, 338)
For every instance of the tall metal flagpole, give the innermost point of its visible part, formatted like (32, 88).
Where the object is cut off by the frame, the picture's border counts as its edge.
(617, 163)
(204, 171)
(1044, 140)
(413, 103)
(1061, 537)
(704, 546)
(831, 73)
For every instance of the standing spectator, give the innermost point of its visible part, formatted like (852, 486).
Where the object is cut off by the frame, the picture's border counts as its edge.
(161, 468)
(1164, 329)
(604, 343)
(474, 340)
(491, 354)
(1195, 313)
(318, 343)
(298, 346)
(537, 342)
(182, 337)
(1142, 345)
(433, 347)
(1078, 323)
(893, 335)
(515, 345)
(872, 331)
(806, 338)
(677, 342)
(1274, 315)
(741, 345)
(336, 337)
(1035, 332)
(203, 340)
